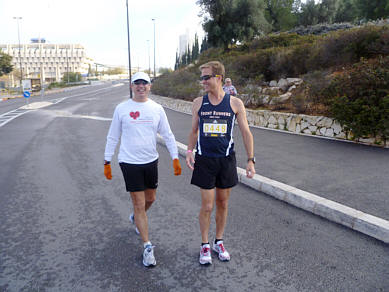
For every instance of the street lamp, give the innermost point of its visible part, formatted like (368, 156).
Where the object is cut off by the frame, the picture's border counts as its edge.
(20, 57)
(153, 19)
(148, 48)
(129, 51)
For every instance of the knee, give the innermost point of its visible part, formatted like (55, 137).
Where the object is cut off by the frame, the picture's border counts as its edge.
(222, 204)
(139, 206)
(207, 207)
(150, 200)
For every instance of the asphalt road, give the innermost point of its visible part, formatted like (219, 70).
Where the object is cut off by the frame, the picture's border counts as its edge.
(64, 227)
(351, 174)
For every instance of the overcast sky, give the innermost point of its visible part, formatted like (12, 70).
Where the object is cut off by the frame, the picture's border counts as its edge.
(100, 26)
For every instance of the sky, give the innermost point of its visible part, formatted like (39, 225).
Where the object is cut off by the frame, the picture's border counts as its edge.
(101, 27)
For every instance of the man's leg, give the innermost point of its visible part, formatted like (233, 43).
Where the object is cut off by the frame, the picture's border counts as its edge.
(222, 197)
(150, 195)
(139, 203)
(207, 201)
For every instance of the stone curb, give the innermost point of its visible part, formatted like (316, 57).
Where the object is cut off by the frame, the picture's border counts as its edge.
(359, 221)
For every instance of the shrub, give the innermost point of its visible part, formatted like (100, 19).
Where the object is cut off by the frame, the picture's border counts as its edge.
(182, 84)
(361, 98)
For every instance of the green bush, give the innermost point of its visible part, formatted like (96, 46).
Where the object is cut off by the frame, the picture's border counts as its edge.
(360, 98)
(182, 84)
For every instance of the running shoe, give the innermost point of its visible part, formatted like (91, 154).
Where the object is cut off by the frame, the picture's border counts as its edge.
(148, 256)
(205, 255)
(218, 247)
(132, 220)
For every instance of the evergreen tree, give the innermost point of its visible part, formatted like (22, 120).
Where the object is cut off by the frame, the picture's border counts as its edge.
(229, 21)
(279, 14)
(5, 63)
(372, 9)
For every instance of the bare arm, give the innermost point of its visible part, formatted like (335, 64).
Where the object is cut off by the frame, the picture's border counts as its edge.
(240, 111)
(193, 132)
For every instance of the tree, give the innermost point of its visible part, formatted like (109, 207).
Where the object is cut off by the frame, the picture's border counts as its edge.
(309, 13)
(115, 71)
(346, 11)
(372, 9)
(164, 70)
(229, 21)
(73, 77)
(327, 11)
(5, 64)
(279, 14)
(204, 45)
(195, 49)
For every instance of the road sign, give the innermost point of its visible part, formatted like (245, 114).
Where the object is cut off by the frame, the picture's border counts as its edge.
(26, 94)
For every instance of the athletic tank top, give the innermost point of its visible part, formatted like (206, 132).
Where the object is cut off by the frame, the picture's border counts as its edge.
(216, 124)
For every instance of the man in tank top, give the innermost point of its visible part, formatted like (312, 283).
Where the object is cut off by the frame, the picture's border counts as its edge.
(214, 165)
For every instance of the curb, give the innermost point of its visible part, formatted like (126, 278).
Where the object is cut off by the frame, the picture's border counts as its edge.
(370, 225)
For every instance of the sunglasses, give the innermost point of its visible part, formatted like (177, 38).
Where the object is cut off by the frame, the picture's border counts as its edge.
(140, 81)
(207, 77)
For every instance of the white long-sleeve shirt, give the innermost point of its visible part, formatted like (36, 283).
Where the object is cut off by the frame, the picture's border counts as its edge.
(136, 124)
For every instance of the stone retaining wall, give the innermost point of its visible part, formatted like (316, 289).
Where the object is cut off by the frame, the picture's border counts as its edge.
(295, 123)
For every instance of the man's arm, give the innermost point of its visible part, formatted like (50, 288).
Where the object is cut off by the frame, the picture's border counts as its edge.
(240, 111)
(193, 131)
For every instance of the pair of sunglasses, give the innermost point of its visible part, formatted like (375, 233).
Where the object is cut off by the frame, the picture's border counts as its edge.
(207, 77)
(141, 81)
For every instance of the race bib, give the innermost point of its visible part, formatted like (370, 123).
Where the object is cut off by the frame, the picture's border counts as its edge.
(215, 128)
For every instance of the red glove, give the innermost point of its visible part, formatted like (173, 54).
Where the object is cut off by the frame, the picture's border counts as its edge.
(176, 166)
(107, 171)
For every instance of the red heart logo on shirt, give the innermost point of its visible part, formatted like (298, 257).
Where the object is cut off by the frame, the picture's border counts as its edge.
(134, 115)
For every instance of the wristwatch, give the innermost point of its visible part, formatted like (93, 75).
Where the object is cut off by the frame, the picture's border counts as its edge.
(106, 162)
(251, 159)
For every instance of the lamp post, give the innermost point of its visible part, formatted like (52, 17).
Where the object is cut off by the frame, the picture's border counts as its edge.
(148, 48)
(129, 51)
(153, 19)
(20, 57)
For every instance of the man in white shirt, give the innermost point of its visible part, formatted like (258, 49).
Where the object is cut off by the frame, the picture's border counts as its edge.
(136, 123)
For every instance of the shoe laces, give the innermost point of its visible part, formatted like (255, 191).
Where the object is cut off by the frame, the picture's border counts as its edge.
(221, 247)
(205, 249)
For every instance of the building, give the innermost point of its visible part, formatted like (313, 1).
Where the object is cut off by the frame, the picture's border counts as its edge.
(184, 41)
(47, 62)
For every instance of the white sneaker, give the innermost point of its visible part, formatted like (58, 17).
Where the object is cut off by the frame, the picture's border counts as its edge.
(132, 220)
(205, 255)
(218, 247)
(148, 256)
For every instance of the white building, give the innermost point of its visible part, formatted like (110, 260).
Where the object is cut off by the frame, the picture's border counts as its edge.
(184, 41)
(48, 62)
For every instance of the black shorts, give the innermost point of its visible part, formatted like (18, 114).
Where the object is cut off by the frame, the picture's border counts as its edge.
(211, 172)
(139, 177)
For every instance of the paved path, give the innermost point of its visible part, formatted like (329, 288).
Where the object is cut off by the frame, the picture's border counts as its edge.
(351, 174)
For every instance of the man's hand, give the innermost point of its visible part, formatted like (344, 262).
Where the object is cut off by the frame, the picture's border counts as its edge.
(190, 159)
(107, 171)
(250, 170)
(176, 166)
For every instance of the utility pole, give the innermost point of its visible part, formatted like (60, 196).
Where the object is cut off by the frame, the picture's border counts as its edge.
(153, 19)
(67, 60)
(129, 51)
(20, 56)
(148, 48)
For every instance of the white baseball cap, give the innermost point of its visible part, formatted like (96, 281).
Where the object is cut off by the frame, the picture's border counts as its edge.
(140, 75)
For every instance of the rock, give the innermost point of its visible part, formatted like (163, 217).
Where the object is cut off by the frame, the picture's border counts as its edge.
(272, 126)
(291, 88)
(272, 120)
(273, 83)
(283, 84)
(304, 125)
(281, 122)
(307, 131)
(337, 128)
(298, 128)
(271, 90)
(329, 133)
(325, 122)
(281, 98)
(323, 131)
(292, 125)
(312, 128)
